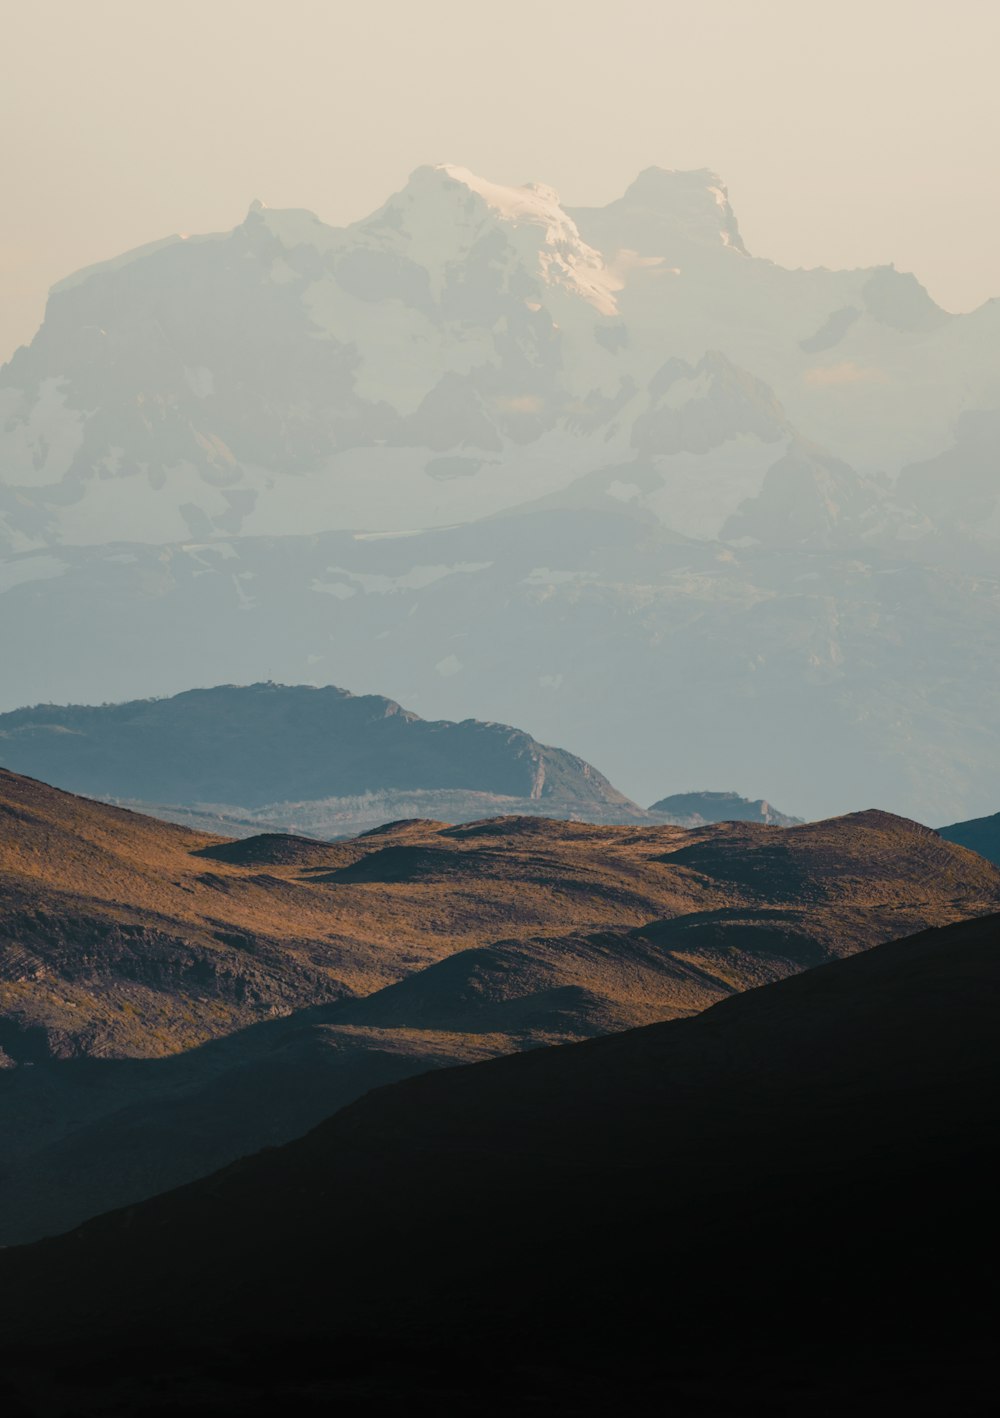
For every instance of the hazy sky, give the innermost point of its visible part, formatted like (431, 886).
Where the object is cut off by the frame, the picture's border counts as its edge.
(849, 133)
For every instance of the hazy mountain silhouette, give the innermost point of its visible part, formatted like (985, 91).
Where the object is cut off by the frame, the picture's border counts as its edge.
(239, 758)
(267, 744)
(982, 835)
(720, 807)
(601, 470)
(428, 361)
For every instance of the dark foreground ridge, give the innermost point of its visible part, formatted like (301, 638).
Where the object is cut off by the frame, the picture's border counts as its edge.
(785, 1201)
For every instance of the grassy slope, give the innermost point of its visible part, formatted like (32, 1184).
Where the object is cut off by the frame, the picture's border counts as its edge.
(784, 1200)
(184, 1000)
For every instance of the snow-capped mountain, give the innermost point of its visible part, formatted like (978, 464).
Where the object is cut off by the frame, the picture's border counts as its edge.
(766, 502)
(467, 348)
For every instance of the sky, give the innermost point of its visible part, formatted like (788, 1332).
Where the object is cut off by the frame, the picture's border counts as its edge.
(851, 133)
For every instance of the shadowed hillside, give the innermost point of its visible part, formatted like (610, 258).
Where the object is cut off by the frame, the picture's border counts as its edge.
(785, 1198)
(981, 835)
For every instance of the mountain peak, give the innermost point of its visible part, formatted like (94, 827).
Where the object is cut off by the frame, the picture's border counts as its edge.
(699, 807)
(447, 209)
(530, 202)
(696, 198)
(312, 743)
(656, 183)
(663, 211)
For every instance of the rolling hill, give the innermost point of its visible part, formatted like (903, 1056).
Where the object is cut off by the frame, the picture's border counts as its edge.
(785, 1200)
(170, 1001)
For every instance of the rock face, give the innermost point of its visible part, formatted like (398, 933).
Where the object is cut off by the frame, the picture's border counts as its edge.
(693, 808)
(170, 1001)
(654, 489)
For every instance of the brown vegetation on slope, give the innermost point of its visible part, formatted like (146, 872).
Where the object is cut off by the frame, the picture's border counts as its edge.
(127, 937)
(185, 999)
(785, 1201)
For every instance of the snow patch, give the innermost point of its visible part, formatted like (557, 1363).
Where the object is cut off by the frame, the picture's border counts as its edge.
(339, 589)
(33, 568)
(624, 492)
(281, 273)
(542, 576)
(699, 493)
(40, 449)
(128, 509)
(685, 391)
(432, 228)
(200, 381)
(373, 583)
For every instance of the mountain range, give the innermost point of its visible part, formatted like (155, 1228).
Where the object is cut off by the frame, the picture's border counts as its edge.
(784, 1202)
(468, 348)
(248, 747)
(692, 808)
(244, 758)
(171, 1001)
(600, 471)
